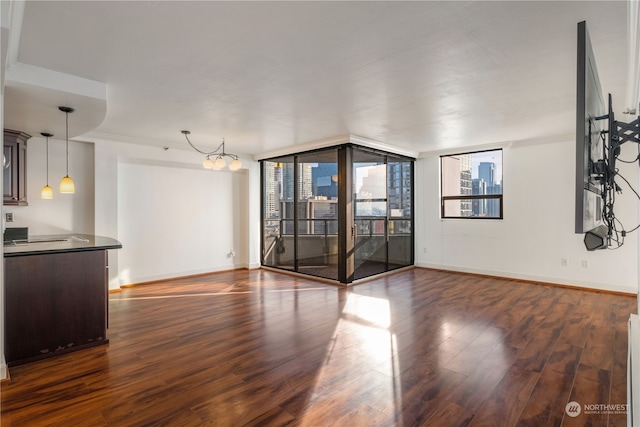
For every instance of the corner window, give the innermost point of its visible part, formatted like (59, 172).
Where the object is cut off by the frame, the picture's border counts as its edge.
(471, 185)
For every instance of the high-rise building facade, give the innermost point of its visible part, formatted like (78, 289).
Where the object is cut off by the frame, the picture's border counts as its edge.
(487, 176)
(456, 181)
(399, 188)
(465, 184)
(479, 206)
(486, 172)
(272, 190)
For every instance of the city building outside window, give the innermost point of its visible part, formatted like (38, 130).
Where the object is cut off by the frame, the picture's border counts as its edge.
(471, 185)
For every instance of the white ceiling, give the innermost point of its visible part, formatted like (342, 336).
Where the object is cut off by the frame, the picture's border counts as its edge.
(423, 76)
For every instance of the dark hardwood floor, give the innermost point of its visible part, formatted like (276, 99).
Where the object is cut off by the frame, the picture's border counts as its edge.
(418, 348)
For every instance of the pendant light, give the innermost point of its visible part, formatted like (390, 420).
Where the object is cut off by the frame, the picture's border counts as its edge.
(67, 186)
(219, 161)
(47, 191)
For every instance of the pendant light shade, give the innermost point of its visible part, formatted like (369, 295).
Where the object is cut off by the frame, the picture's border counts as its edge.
(219, 164)
(208, 163)
(47, 191)
(67, 186)
(235, 165)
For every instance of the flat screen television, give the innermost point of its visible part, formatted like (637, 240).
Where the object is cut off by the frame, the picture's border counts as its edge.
(590, 104)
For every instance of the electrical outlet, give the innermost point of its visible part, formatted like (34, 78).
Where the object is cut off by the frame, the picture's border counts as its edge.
(585, 263)
(565, 262)
(8, 216)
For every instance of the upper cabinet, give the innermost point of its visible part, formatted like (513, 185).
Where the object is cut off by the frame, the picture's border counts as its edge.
(15, 168)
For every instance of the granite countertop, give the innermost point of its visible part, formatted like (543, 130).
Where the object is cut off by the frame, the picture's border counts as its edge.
(37, 245)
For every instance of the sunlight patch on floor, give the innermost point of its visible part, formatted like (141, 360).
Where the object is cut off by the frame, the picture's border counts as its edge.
(362, 345)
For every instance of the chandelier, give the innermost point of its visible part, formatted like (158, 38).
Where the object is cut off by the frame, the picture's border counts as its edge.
(219, 154)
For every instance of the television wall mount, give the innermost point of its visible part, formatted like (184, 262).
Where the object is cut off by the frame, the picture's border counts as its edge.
(605, 171)
(617, 133)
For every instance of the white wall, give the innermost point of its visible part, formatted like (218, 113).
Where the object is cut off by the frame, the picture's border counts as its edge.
(106, 202)
(175, 221)
(538, 226)
(253, 215)
(173, 217)
(65, 213)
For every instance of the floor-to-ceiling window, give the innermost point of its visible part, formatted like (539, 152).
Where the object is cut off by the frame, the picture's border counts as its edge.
(341, 213)
(400, 211)
(317, 197)
(370, 213)
(277, 213)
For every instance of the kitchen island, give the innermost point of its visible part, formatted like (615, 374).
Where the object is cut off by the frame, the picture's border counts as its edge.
(56, 295)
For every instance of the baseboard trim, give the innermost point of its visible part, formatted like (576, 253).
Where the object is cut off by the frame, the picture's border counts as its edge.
(166, 279)
(532, 281)
(378, 276)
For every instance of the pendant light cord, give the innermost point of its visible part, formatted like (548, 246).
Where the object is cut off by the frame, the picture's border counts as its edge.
(47, 161)
(67, 129)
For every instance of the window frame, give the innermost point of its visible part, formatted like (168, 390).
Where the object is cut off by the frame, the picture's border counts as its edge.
(403, 254)
(471, 197)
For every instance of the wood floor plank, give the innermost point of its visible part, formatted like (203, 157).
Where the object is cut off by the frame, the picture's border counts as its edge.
(504, 405)
(482, 381)
(619, 378)
(546, 405)
(476, 350)
(591, 387)
(259, 348)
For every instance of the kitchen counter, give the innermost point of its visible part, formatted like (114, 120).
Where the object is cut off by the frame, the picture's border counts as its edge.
(59, 243)
(56, 295)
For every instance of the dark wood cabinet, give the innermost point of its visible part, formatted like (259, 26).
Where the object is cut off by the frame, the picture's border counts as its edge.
(15, 168)
(54, 303)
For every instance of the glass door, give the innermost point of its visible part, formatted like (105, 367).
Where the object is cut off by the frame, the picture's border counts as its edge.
(400, 223)
(370, 213)
(278, 249)
(317, 214)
